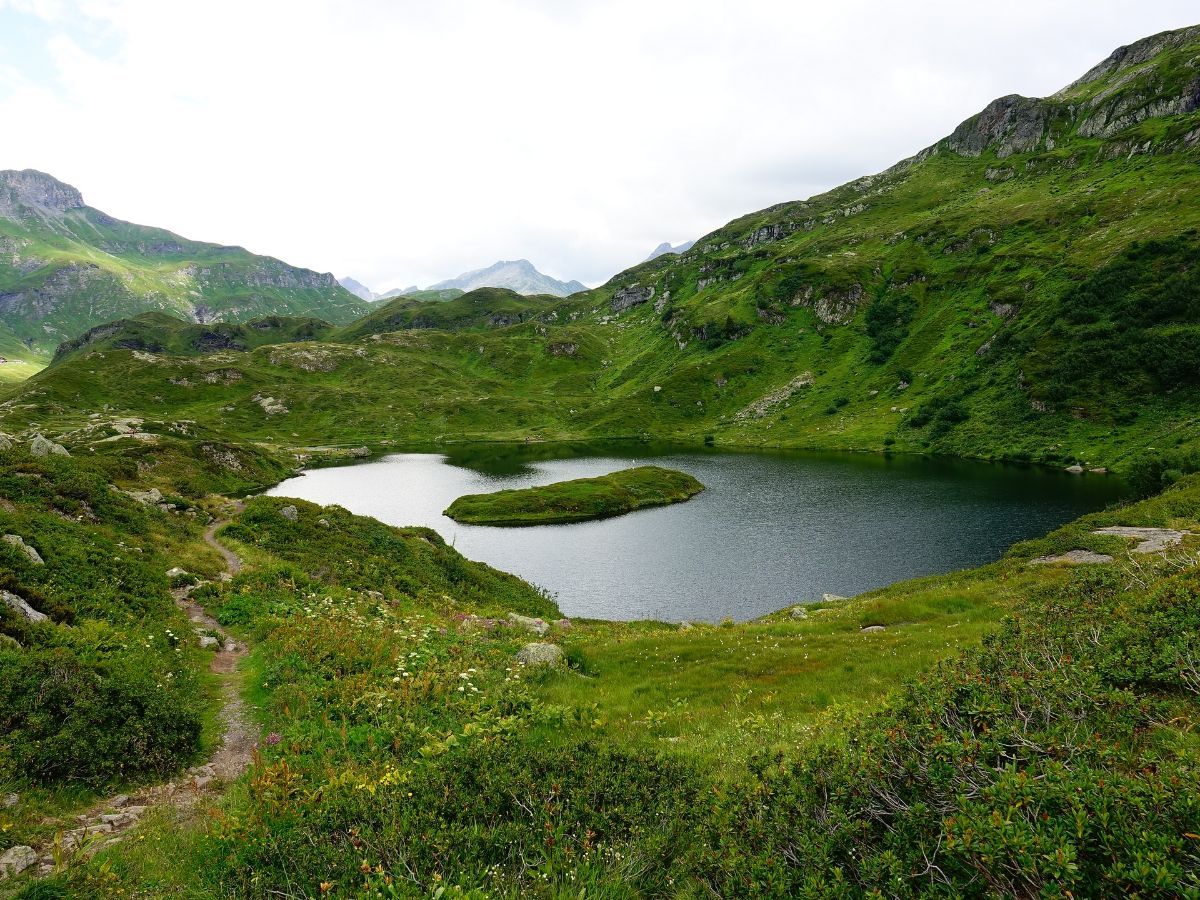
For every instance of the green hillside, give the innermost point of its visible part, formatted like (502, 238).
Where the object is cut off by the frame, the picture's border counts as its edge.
(954, 303)
(65, 268)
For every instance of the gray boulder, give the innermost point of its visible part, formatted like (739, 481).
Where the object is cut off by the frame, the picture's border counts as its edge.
(19, 542)
(290, 513)
(6, 441)
(18, 605)
(41, 446)
(151, 497)
(540, 655)
(539, 627)
(16, 860)
(872, 629)
(799, 612)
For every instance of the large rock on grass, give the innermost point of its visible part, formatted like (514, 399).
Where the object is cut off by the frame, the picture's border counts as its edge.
(16, 860)
(41, 446)
(22, 608)
(540, 654)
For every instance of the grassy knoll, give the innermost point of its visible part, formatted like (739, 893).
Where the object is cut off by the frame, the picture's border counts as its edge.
(578, 500)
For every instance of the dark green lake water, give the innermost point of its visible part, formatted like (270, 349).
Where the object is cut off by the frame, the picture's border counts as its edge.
(772, 529)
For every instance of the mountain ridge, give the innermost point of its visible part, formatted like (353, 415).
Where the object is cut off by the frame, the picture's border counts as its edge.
(519, 275)
(66, 267)
(929, 308)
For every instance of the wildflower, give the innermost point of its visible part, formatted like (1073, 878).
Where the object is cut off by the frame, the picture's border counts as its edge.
(273, 738)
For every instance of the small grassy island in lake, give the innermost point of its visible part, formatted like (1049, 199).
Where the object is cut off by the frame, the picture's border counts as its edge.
(578, 500)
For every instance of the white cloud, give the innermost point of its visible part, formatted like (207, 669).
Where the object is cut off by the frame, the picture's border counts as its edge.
(405, 142)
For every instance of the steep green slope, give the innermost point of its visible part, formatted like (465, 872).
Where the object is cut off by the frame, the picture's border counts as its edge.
(937, 306)
(65, 267)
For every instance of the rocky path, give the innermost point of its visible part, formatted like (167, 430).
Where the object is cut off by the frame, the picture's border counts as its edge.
(105, 823)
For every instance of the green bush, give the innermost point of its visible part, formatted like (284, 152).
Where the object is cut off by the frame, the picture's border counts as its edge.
(94, 718)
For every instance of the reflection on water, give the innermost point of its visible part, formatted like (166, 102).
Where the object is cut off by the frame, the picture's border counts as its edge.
(771, 529)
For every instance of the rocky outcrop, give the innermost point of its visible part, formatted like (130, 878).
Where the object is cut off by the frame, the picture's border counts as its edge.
(21, 607)
(1149, 540)
(270, 405)
(1072, 558)
(1132, 55)
(633, 295)
(15, 540)
(29, 191)
(767, 402)
(1012, 124)
(1107, 119)
(835, 307)
(290, 513)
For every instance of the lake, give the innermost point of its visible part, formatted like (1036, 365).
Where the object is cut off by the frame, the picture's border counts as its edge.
(772, 529)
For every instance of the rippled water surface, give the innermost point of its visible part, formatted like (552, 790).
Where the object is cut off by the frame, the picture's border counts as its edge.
(771, 529)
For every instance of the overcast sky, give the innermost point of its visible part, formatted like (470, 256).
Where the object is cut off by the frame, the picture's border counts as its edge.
(404, 142)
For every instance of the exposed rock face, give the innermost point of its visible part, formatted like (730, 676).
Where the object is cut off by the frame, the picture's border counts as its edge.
(6, 441)
(1072, 558)
(1109, 118)
(839, 307)
(30, 191)
(540, 655)
(1013, 124)
(765, 404)
(270, 405)
(631, 296)
(17, 541)
(21, 607)
(16, 860)
(1150, 540)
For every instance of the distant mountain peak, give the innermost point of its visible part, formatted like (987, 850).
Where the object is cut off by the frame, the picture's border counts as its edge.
(518, 275)
(31, 189)
(665, 247)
